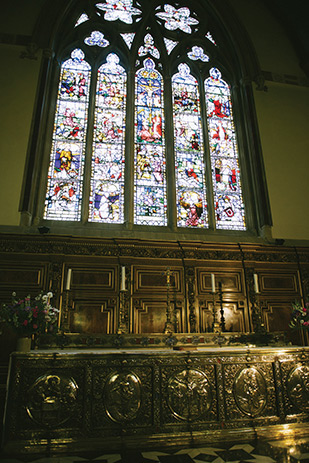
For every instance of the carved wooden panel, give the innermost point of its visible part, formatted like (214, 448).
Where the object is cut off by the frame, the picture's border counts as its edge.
(277, 316)
(231, 281)
(233, 314)
(92, 317)
(278, 282)
(21, 275)
(150, 316)
(154, 280)
(86, 278)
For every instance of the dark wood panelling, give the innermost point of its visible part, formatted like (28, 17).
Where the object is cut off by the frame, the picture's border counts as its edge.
(278, 282)
(155, 280)
(30, 275)
(150, 316)
(86, 277)
(233, 314)
(231, 281)
(92, 317)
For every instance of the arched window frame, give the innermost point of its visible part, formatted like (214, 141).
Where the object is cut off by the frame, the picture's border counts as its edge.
(234, 71)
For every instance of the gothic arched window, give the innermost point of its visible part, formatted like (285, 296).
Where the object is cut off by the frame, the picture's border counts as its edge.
(143, 128)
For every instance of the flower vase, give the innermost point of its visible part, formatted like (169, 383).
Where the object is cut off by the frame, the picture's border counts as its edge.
(23, 344)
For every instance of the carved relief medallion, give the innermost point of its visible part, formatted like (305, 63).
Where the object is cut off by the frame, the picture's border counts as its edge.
(122, 396)
(51, 400)
(250, 391)
(189, 394)
(298, 387)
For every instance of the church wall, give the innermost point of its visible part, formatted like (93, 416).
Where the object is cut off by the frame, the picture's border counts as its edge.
(283, 123)
(18, 82)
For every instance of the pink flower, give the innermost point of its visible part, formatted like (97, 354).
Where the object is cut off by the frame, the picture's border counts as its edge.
(306, 323)
(35, 327)
(304, 309)
(25, 322)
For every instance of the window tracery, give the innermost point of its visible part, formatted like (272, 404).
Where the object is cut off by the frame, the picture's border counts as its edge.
(192, 110)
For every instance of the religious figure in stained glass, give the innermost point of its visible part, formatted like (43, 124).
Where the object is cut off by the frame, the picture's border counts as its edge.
(150, 182)
(103, 176)
(107, 179)
(64, 186)
(189, 152)
(229, 206)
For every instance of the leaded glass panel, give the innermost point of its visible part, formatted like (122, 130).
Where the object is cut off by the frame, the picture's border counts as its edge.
(229, 206)
(148, 47)
(107, 174)
(189, 164)
(65, 175)
(210, 37)
(119, 9)
(96, 38)
(83, 18)
(177, 18)
(150, 182)
(197, 53)
(170, 45)
(128, 38)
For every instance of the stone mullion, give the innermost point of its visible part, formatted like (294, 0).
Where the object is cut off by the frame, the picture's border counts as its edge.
(129, 152)
(170, 154)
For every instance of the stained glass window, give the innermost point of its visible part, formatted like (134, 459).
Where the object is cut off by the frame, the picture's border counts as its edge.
(119, 9)
(170, 45)
(83, 18)
(96, 38)
(128, 38)
(229, 206)
(197, 53)
(65, 175)
(107, 179)
(210, 37)
(148, 47)
(124, 117)
(190, 171)
(177, 19)
(150, 182)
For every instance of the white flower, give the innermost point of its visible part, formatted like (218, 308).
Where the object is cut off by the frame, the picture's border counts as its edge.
(13, 293)
(50, 294)
(44, 298)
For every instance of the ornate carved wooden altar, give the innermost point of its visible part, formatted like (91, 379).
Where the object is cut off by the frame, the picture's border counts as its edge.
(60, 400)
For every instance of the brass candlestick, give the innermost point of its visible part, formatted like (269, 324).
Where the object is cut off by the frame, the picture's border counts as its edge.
(169, 325)
(122, 314)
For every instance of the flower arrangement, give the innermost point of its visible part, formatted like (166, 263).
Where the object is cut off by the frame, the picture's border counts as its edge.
(29, 316)
(300, 316)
